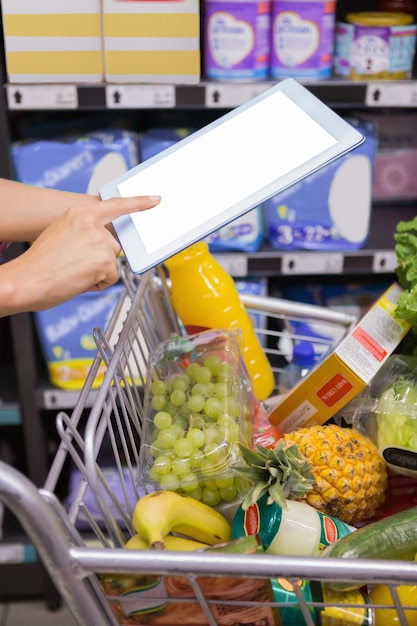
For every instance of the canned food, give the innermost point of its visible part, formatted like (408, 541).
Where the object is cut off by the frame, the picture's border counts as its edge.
(375, 45)
(326, 607)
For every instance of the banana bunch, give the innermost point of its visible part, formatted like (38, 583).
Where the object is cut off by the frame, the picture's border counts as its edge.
(158, 514)
(171, 542)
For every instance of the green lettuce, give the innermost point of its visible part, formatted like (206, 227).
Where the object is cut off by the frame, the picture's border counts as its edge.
(396, 415)
(406, 254)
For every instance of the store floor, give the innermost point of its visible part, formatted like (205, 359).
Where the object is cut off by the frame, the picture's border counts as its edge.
(33, 613)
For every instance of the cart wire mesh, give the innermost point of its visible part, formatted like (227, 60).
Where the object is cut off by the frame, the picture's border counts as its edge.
(80, 541)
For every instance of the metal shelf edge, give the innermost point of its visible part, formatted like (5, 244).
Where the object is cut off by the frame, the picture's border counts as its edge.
(205, 94)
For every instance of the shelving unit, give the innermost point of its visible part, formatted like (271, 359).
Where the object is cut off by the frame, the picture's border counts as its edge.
(34, 396)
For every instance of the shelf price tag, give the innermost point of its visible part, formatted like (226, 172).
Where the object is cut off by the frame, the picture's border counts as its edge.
(384, 261)
(401, 94)
(12, 553)
(226, 96)
(312, 263)
(140, 96)
(235, 264)
(42, 97)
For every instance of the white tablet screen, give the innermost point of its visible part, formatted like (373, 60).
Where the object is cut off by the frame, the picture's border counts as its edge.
(291, 138)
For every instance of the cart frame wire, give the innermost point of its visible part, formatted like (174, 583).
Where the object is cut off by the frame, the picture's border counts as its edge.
(82, 539)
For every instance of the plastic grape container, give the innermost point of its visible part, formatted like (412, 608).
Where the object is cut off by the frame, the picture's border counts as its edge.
(198, 406)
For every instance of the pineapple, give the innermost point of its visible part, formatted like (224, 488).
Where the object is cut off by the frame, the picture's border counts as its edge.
(345, 476)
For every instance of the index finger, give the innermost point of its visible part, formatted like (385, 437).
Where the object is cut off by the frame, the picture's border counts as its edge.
(116, 207)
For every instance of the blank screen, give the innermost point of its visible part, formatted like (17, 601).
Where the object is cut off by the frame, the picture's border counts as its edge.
(213, 172)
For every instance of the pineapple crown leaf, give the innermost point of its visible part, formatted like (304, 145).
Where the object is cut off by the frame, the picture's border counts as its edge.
(282, 473)
(254, 494)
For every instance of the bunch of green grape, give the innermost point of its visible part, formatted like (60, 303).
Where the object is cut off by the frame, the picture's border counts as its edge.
(198, 418)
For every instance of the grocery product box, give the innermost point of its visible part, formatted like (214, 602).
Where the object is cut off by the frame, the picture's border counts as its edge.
(53, 41)
(339, 377)
(396, 158)
(331, 208)
(152, 42)
(395, 178)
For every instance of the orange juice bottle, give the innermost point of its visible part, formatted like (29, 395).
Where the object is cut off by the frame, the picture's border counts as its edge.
(204, 296)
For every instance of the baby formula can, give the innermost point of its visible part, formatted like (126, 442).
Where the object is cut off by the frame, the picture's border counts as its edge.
(302, 38)
(375, 46)
(237, 39)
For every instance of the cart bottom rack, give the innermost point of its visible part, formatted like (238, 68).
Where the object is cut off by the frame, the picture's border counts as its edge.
(81, 541)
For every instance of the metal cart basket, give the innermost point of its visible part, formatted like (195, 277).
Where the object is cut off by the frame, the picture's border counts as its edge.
(81, 541)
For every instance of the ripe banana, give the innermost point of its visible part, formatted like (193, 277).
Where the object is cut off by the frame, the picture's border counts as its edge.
(172, 542)
(161, 512)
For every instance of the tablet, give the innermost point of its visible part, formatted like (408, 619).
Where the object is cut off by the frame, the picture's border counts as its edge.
(227, 168)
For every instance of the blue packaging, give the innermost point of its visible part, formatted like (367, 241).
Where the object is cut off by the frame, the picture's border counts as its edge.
(155, 140)
(81, 164)
(330, 209)
(255, 287)
(66, 335)
(243, 234)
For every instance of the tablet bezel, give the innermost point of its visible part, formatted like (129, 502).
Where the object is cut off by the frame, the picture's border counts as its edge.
(347, 138)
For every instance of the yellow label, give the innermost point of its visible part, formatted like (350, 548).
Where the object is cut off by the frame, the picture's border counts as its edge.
(152, 25)
(152, 62)
(62, 25)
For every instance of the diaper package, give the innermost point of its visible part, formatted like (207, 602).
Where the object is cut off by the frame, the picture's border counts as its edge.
(80, 164)
(66, 335)
(330, 209)
(243, 234)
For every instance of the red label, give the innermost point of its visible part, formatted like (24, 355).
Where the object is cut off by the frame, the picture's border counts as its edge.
(370, 345)
(330, 530)
(251, 520)
(334, 390)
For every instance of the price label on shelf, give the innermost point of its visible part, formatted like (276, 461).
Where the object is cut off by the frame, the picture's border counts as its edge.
(140, 96)
(12, 553)
(384, 261)
(42, 97)
(229, 96)
(402, 94)
(312, 263)
(235, 264)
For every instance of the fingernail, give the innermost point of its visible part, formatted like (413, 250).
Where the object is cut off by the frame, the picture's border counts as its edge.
(155, 198)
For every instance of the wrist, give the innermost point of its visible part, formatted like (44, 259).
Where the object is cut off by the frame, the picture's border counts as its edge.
(16, 292)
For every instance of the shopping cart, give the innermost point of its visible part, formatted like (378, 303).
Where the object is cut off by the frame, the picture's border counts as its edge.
(81, 540)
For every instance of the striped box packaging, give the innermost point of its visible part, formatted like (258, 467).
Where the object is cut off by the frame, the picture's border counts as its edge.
(151, 42)
(53, 41)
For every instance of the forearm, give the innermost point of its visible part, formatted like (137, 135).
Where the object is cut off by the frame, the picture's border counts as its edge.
(25, 211)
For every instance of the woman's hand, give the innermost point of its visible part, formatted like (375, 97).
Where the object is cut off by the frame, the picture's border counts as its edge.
(74, 254)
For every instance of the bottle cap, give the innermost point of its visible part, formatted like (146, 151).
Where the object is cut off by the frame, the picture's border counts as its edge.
(303, 353)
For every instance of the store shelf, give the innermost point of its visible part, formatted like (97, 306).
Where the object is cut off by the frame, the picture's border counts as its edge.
(17, 552)
(50, 398)
(377, 257)
(205, 94)
(9, 415)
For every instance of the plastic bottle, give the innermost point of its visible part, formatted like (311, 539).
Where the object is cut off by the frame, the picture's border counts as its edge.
(297, 530)
(205, 296)
(302, 360)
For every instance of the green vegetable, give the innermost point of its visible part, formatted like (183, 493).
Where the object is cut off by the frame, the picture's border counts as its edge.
(396, 416)
(392, 538)
(406, 253)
